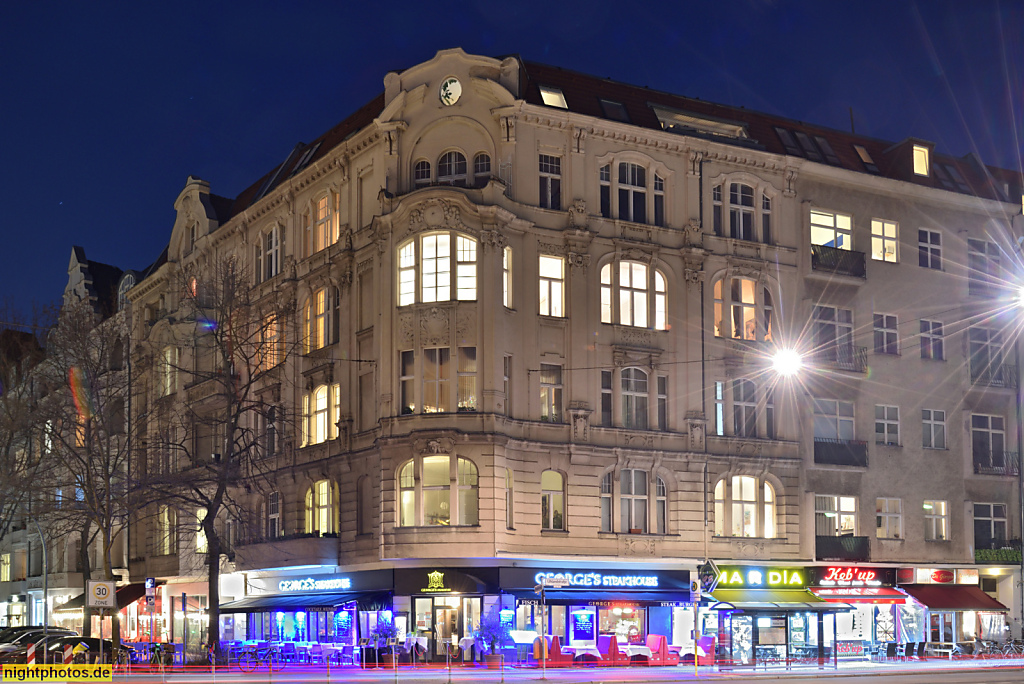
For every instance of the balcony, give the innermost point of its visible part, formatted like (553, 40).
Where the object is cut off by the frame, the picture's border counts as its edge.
(841, 548)
(998, 551)
(1004, 463)
(840, 452)
(838, 261)
(842, 357)
(297, 549)
(994, 374)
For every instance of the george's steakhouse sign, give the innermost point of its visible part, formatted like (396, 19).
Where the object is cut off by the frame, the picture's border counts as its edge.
(746, 576)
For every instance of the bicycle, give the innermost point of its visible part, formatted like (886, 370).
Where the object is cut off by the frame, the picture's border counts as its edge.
(1013, 648)
(257, 657)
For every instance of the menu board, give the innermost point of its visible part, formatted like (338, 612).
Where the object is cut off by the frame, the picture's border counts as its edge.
(583, 626)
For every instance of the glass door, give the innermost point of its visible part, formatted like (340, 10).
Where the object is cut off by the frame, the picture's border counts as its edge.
(446, 624)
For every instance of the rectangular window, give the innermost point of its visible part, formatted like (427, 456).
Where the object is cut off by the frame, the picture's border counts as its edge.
(407, 274)
(769, 412)
(983, 267)
(719, 408)
(436, 268)
(744, 409)
(274, 528)
(989, 525)
(835, 516)
(659, 200)
(831, 230)
(988, 442)
(169, 384)
(202, 543)
(865, 158)
(550, 182)
(884, 241)
(716, 204)
(920, 160)
(552, 284)
(5, 567)
(741, 211)
(766, 219)
(552, 97)
(506, 382)
(605, 182)
(833, 419)
(465, 273)
(662, 402)
(633, 500)
(606, 398)
(506, 276)
(632, 192)
(936, 521)
(889, 518)
(436, 374)
(887, 425)
(931, 340)
(929, 249)
(885, 334)
(407, 380)
(607, 485)
(550, 393)
(933, 429)
(467, 379)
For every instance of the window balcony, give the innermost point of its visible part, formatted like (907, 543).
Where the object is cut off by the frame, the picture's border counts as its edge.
(838, 261)
(1005, 463)
(994, 374)
(840, 452)
(841, 548)
(842, 357)
(998, 551)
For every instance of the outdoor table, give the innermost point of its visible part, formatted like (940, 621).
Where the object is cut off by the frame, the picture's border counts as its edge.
(634, 650)
(468, 644)
(578, 651)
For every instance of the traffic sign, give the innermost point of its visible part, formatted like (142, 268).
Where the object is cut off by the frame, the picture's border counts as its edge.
(695, 591)
(151, 601)
(555, 582)
(100, 594)
(707, 574)
(150, 586)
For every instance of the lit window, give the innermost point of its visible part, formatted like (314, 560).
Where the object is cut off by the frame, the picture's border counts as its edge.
(320, 224)
(933, 429)
(552, 97)
(321, 412)
(320, 318)
(509, 500)
(552, 500)
(467, 395)
(5, 567)
(739, 313)
(437, 278)
(550, 393)
(887, 425)
(865, 158)
(936, 521)
(169, 374)
(202, 543)
(626, 288)
(274, 526)
(552, 284)
(436, 379)
(166, 531)
(835, 516)
(271, 350)
(320, 508)
(506, 277)
(438, 490)
(451, 169)
(831, 230)
(888, 518)
(929, 249)
(884, 241)
(550, 182)
(920, 160)
(634, 398)
(741, 212)
(745, 507)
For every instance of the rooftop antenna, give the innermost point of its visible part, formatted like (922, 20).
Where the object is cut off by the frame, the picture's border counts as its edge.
(852, 129)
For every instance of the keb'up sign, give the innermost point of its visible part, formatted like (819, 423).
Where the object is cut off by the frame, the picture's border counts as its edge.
(100, 594)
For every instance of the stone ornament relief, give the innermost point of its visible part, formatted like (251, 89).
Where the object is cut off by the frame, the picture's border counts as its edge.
(434, 327)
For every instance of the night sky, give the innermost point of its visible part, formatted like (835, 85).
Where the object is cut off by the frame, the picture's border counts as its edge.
(108, 107)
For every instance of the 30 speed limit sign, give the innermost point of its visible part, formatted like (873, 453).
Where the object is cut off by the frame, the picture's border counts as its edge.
(100, 594)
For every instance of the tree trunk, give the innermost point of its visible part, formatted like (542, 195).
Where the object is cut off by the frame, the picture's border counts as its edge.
(213, 584)
(108, 573)
(83, 555)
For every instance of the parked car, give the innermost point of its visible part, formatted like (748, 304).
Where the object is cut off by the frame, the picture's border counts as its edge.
(31, 636)
(55, 650)
(8, 634)
(19, 654)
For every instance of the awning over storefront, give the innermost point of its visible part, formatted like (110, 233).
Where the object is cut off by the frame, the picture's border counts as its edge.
(310, 602)
(860, 595)
(569, 597)
(953, 597)
(775, 599)
(129, 593)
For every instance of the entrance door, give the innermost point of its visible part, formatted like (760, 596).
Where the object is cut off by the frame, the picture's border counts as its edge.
(446, 626)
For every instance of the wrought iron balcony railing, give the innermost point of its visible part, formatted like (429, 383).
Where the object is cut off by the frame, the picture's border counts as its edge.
(840, 452)
(842, 357)
(987, 462)
(994, 374)
(838, 261)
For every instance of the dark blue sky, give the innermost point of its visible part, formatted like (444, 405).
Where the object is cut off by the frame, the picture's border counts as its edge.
(108, 106)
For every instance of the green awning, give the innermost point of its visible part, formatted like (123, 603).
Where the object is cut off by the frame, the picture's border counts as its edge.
(776, 599)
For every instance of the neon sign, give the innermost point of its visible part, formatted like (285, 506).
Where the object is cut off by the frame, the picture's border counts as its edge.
(310, 584)
(850, 577)
(761, 577)
(596, 579)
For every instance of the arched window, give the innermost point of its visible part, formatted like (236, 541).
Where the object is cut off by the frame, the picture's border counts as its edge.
(447, 263)
(451, 169)
(481, 169)
(321, 411)
(320, 513)
(745, 506)
(552, 500)
(421, 173)
(743, 212)
(634, 294)
(320, 319)
(438, 490)
(739, 312)
(127, 283)
(117, 355)
(634, 398)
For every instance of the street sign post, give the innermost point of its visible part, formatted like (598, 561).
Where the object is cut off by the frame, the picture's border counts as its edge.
(707, 573)
(100, 594)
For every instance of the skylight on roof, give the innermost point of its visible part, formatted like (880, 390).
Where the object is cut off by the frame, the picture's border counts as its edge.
(869, 163)
(552, 97)
(614, 110)
(678, 121)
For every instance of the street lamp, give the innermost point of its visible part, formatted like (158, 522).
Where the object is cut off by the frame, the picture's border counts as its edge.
(787, 362)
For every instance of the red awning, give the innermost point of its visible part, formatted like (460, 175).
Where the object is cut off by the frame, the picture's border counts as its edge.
(953, 597)
(859, 595)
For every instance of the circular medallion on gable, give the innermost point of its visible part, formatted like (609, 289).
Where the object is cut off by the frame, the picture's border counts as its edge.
(451, 91)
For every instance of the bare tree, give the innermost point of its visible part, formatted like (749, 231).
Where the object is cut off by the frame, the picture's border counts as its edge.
(220, 431)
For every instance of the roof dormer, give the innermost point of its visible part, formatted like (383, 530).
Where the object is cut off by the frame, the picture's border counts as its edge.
(911, 160)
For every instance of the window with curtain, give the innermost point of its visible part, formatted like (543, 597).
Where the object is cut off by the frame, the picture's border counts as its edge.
(552, 501)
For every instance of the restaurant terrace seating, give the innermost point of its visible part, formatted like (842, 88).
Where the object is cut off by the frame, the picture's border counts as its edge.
(608, 645)
(660, 655)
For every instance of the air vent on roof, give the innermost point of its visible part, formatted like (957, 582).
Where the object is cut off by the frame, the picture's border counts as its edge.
(677, 121)
(614, 110)
(869, 163)
(552, 97)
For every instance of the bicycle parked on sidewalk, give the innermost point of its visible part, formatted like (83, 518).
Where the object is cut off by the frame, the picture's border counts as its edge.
(258, 657)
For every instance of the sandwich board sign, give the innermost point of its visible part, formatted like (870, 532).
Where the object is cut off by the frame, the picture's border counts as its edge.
(100, 594)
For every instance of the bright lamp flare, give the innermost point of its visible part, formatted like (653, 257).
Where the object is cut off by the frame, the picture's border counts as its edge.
(787, 362)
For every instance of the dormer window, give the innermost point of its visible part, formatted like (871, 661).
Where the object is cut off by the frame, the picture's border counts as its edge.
(865, 158)
(614, 110)
(920, 160)
(552, 97)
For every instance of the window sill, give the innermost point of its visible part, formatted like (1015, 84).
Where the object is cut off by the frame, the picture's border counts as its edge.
(436, 527)
(931, 358)
(938, 541)
(554, 533)
(891, 539)
(727, 538)
(889, 444)
(885, 353)
(936, 448)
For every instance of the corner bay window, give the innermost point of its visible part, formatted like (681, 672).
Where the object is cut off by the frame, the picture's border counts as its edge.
(438, 490)
(432, 275)
(434, 393)
(744, 507)
(641, 299)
